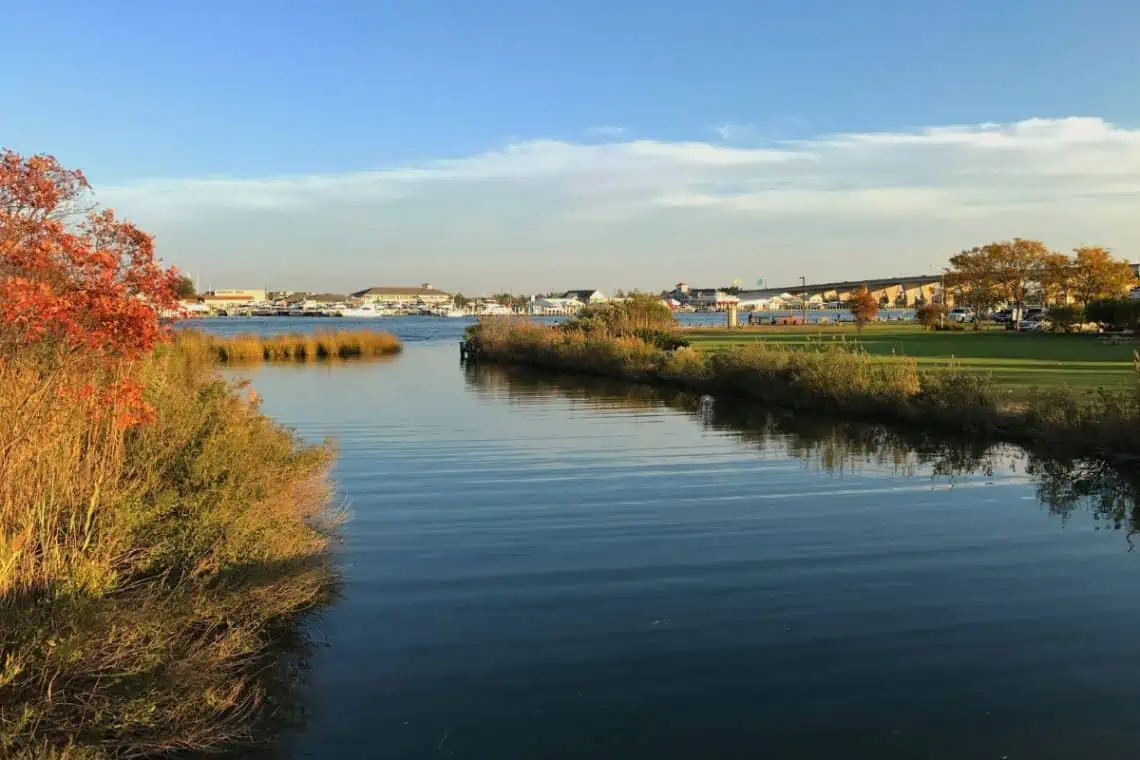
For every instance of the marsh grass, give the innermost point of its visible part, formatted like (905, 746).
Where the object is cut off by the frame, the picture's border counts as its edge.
(294, 347)
(840, 377)
(149, 575)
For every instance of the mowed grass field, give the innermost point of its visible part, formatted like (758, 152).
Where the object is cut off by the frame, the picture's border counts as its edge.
(1020, 361)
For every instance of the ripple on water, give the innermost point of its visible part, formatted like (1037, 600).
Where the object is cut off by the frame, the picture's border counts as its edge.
(544, 569)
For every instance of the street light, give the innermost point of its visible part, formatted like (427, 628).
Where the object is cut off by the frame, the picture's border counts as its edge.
(803, 297)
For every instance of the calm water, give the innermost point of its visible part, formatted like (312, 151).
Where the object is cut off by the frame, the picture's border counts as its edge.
(546, 569)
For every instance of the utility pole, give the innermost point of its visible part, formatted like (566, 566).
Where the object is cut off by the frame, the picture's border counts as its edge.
(803, 296)
(942, 300)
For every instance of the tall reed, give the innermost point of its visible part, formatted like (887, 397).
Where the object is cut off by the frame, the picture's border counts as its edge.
(316, 346)
(147, 572)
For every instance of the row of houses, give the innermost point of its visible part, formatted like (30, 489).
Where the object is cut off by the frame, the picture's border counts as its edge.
(398, 298)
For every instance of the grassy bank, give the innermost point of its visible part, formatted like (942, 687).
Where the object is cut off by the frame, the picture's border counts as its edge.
(315, 346)
(1018, 361)
(838, 377)
(151, 575)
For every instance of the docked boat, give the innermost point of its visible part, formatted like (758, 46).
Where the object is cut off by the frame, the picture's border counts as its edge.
(365, 312)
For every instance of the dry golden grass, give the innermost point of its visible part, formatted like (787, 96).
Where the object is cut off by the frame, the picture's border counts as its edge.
(146, 574)
(317, 346)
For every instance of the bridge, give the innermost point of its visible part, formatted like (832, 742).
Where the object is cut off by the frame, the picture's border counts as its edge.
(893, 291)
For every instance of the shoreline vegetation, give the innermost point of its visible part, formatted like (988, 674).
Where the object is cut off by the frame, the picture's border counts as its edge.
(637, 340)
(162, 541)
(323, 345)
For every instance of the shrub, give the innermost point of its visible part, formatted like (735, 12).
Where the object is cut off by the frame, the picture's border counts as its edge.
(1065, 318)
(163, 561)
(863, 306)
(625, 317)
(1115, 314)
(666, 340)
(931, 316)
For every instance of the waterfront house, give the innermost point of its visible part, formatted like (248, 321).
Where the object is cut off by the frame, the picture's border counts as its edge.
(549, 306)
(404, 295)
(585, 297)
(711, 298)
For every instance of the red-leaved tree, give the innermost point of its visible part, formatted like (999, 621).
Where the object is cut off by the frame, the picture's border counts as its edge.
(85, 285)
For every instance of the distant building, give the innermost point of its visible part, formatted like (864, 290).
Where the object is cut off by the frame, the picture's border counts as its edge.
(403, 295)
(316, 300)
(586, 297)
(252, 295)
(700, 298)
(710, 298)
(549, 305)
(226, 300)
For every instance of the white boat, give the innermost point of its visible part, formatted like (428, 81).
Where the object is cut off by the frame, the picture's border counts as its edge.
(366, 312)
(453, 313)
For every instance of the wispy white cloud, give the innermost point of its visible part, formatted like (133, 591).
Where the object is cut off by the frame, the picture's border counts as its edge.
(734, 132)
(645, 212)
(607, 131)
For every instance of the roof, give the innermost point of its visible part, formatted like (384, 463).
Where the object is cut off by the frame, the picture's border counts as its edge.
(587, 292)
(399, 290)
(212, 297)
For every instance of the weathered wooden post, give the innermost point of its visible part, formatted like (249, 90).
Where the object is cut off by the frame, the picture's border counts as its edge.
(731, 315)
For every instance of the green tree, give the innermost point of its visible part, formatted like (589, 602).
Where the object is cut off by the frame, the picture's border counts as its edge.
(460, 300)
(184, 288)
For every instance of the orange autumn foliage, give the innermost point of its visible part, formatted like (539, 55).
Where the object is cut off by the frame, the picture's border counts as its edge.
(92, 286)
(79, 288)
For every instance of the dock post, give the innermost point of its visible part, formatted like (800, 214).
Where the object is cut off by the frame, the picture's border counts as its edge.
(731, 315)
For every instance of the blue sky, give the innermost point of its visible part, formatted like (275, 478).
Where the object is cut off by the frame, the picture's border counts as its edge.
(538, 144)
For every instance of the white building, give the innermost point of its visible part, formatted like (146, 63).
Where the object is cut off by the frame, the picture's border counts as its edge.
(555, 306)
(395, 294)
(711, 298)
(586, 297)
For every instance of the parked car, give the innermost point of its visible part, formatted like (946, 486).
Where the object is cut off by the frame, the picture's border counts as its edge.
(963, 316)
(1035, 323)
(1003, 316)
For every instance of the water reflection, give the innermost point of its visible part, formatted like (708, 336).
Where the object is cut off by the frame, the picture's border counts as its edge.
(1063, 485)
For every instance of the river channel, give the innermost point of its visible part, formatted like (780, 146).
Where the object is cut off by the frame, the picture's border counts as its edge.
(544, 568)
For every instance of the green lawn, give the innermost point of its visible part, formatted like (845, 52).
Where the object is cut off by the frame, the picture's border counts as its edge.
(1018, 360)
